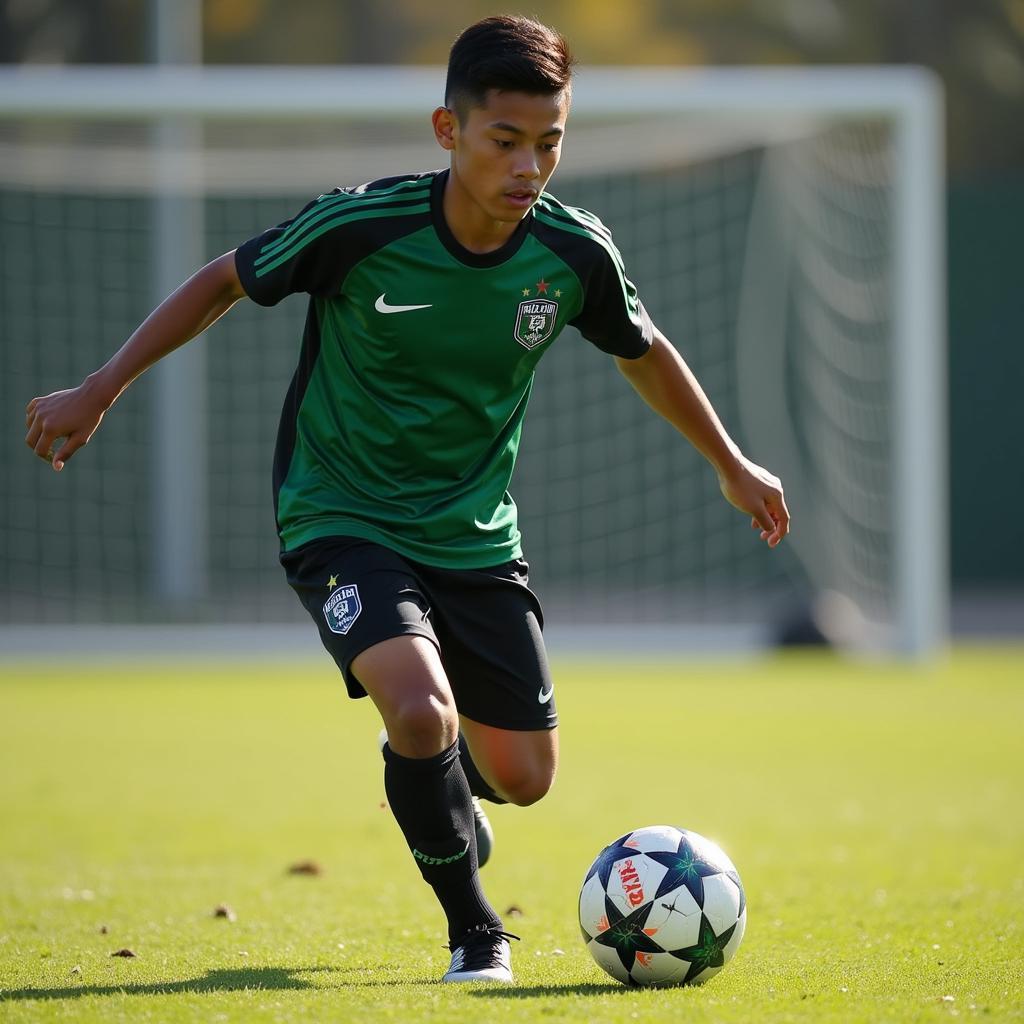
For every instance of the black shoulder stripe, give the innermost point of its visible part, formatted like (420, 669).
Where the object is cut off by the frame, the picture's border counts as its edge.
(340, 205)
(396, 181)
(574, 217)
(409, 220)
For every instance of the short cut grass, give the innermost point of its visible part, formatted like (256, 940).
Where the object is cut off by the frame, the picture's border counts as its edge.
(509, 53)
(873, 812)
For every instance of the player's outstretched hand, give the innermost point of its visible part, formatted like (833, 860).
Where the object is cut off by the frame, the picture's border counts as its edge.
(757, 492)
(72, 415)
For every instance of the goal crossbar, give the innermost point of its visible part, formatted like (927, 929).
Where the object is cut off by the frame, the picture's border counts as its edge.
(143, 91)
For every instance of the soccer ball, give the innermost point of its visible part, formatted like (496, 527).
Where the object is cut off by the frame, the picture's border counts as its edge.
(662, 906)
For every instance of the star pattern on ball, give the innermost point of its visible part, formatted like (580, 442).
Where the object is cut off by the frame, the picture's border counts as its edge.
(707, 952)
(684, 867)
(627, 935)
(697, 892)
(609, 857)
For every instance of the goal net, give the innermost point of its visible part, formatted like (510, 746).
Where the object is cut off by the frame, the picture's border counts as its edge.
(783, 229)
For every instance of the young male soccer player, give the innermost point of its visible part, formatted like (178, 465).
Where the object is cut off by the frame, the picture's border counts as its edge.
(432, 298)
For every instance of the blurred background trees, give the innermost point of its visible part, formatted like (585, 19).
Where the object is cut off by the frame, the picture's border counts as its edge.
(977, 47)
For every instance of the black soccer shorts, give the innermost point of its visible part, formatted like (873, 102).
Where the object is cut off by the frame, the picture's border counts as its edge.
(486, 623)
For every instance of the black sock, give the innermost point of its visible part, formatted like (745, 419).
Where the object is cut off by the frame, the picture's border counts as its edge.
(431, 802)
(478, 785)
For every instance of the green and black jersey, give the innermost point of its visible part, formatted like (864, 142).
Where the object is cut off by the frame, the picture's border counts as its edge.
(403, 419)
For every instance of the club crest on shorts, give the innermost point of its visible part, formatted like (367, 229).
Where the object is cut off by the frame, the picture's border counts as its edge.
(342, 609)
(536, 321)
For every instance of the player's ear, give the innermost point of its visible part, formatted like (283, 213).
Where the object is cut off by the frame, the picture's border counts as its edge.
(444, 127)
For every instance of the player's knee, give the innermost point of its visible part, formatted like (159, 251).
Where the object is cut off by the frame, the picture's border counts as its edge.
(526, 787)
(422, 725)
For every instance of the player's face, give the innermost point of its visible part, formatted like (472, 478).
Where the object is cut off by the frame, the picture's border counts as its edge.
(504, 152)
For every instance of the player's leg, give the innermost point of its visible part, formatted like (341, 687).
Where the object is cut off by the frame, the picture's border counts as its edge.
(484, 832)
(406, 682)
(430, 797)
(374, 620)
(517, 766)
(423, 777)
(489, 624)
(507, 767)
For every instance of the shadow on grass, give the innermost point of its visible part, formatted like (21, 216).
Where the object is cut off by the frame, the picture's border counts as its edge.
(226, 980)
(277, 978)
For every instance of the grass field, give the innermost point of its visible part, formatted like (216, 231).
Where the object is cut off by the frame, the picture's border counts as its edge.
(875, 814)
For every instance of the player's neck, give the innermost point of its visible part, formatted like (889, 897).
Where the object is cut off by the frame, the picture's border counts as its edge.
(472, 228)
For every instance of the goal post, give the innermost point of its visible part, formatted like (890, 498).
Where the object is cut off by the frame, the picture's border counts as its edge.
(785, 227)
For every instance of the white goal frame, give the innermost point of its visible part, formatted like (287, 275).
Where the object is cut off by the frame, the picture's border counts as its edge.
(909, 98)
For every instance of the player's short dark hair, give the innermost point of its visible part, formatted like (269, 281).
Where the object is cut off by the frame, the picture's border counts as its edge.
(510, 53)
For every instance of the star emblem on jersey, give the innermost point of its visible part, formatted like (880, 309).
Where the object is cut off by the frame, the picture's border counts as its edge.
(332, 582)
(342, 608)
(535, 322)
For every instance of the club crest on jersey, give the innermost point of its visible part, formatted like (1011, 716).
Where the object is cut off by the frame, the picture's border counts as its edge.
(536, 321)
(342, 609)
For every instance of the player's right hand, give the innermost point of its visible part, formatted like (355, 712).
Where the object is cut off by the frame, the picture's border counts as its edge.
(72, 415)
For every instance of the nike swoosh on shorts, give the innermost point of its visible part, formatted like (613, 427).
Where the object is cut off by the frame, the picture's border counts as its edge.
(543, 698)
(382, 307)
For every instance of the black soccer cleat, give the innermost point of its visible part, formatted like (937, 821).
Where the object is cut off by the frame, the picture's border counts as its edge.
(483, 954)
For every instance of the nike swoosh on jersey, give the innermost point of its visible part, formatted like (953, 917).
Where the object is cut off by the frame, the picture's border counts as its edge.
(382, 307)
(542, 697)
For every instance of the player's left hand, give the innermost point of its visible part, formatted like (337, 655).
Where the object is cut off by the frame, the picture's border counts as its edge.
(754, 490)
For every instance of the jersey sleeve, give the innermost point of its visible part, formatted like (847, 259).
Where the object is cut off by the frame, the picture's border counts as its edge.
(303, 254)
(613, 317)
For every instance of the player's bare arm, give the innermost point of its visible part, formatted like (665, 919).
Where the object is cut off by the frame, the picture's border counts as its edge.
(75, 414)
(664, 381)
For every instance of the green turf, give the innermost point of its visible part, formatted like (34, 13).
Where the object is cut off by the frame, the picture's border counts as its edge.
(875, 815)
